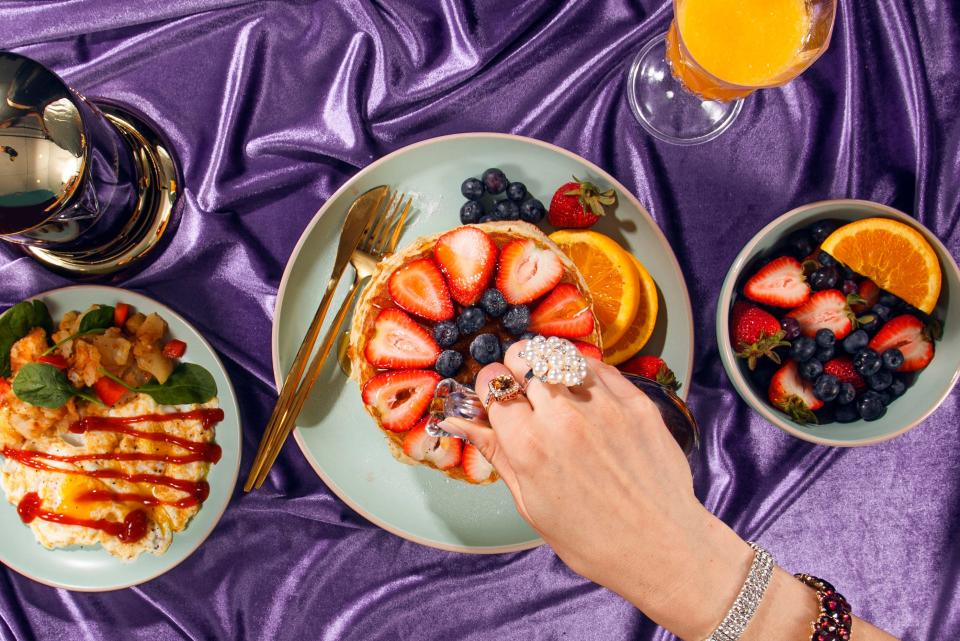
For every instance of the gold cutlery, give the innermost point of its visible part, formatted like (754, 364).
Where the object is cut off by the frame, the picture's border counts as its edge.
(380, 238)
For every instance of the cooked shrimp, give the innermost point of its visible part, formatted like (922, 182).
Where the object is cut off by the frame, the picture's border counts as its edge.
(85, 364)
(28, 349)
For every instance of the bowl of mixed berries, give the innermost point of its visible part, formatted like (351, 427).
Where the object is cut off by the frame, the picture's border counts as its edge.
(834, 322)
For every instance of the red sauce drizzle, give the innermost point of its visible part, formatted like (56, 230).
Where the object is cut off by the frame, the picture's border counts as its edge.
(134, 526)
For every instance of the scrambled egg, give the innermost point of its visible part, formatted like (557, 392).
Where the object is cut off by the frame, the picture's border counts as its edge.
(26, 427)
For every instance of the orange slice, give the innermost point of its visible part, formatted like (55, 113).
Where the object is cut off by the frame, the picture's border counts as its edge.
(611, 276)
(892, 254)
(643, 323)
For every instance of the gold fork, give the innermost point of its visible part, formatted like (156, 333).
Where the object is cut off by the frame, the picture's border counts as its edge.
(379, 240)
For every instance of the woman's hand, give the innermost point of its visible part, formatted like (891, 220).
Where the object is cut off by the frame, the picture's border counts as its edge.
(596, 472)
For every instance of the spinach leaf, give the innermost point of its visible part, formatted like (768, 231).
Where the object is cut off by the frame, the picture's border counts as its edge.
(43, 385)
(189, 383)
(98, 318)
(16, 323)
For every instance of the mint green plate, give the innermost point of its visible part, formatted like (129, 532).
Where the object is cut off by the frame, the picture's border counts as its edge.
(340, 440)
(90, 568)
(933, 384)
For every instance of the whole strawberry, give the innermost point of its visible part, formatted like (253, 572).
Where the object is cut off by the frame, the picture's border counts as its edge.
(652, 367)
(755, 333)
(579, 204)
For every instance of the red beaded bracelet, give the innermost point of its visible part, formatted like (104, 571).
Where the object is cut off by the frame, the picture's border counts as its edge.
(835, 621)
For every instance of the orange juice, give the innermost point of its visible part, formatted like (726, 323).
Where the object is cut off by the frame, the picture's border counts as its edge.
(750, 43)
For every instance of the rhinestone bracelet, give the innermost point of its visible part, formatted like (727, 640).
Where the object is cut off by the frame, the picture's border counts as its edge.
(834, 621)
(747, 601)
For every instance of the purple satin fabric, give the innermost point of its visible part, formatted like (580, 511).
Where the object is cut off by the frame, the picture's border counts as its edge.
(272, 105)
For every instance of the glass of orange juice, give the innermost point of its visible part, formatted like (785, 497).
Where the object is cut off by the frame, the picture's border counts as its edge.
(688, 86)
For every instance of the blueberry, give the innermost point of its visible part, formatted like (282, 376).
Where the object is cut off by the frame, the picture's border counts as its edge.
(889, 300)
(506, 210)
(825, 354)
(471, 320)
(826, 260)
(517, 192)
(811, 369)
(897, 388)
(472, 189)
(532, 211)
(881, 380)
(489, 218)
(866, 362)
(516, 319)
(493, 303)
(825, 337)
(846, 414)
(847, 393)
(485, 349)
(869, 322)
(855, 341)
(494, 181)
(892, 359)
(826, 387)
(821, 229)
(800, 243)
(445, 333)
(803, 349)
(886, 397)
(790, 327)
(870, 406)
(850, 287)
(824, 278)
(449, 363)
(471, 212)
(882, 312)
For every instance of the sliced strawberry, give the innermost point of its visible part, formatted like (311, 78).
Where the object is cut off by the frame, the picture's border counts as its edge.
(826, 309)
(419, 288)
(652, 367)
(527, 271)
(794, 396)
(755, 333)
(779, 283)
(564, 312)
(400, 397)
(842, 368)
(588, 349)
(475, 466)
(398, 342)
(443, 451)
(908, 334)
(467, 257)
(869, 293)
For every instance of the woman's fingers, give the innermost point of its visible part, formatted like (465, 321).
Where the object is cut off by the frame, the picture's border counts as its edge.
(539, 394)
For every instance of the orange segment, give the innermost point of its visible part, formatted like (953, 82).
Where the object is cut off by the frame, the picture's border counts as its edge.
(643, 323)
(892, 254)
(611, 276)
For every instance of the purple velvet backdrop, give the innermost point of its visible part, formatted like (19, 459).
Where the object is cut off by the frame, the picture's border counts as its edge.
(272, 105)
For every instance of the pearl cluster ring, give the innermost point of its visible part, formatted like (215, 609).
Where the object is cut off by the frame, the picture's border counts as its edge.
(554, 360)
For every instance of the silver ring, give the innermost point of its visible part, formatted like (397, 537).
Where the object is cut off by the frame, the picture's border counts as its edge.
(555, 361)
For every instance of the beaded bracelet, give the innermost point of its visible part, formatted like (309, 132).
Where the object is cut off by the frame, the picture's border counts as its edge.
(834, 621)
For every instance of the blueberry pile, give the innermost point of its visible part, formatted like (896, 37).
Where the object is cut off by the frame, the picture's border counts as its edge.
(482, 206)
(464, 333)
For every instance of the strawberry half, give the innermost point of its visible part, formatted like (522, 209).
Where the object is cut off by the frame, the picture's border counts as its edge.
(527, 271)
(467, 257)
(564, 312)
(779, 283)
(755, 333)
(588, 349)
(793, 395)
(419, 288)
(825, 309)
(868, 293)
(475, 466)
(443, 451)
(908, 334)
(399, 343)
(842, 368)
(652, 367)
(579, 204)
(400, 397)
